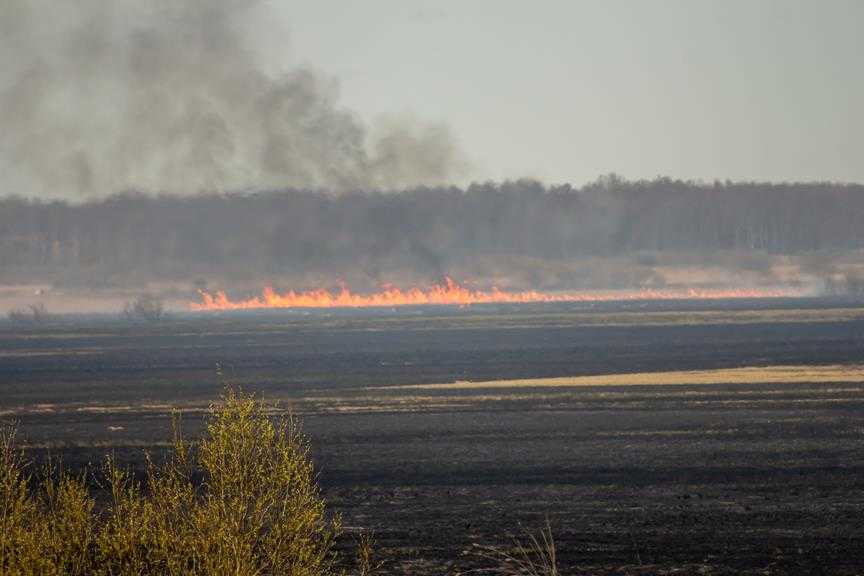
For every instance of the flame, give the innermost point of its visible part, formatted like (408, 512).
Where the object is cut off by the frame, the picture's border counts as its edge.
(452, 293)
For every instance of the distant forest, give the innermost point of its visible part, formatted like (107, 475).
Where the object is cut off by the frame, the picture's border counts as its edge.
(283, 233)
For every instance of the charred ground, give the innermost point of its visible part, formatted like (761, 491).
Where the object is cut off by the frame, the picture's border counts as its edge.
(735, 477)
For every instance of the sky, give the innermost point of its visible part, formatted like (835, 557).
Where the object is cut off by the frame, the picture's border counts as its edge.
(568, 90)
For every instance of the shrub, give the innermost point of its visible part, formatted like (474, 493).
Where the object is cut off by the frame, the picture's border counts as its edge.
(145, 308)
(256, 510)
(34, 314)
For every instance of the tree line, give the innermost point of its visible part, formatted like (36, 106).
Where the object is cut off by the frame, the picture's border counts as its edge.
(133, 237)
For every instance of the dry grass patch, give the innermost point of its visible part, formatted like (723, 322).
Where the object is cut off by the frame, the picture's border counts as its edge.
(751, 375)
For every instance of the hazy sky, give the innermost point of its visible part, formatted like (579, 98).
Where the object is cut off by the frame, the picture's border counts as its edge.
(571, 89)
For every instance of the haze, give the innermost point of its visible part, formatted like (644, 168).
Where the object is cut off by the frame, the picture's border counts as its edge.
(560, 146)
(566, 90)
(101, 97)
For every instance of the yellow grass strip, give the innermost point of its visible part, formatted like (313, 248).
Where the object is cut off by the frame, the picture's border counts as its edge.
(750, 375)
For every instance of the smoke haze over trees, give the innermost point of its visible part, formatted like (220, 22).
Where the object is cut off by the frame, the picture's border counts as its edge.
(98, 97)
(517, 234)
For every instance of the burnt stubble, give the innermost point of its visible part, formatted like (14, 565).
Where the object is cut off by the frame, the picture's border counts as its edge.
(727, 478)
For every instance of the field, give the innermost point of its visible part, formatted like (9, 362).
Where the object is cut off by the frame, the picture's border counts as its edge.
(685, 437)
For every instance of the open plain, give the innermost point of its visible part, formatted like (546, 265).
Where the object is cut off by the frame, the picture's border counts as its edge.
(654, 437)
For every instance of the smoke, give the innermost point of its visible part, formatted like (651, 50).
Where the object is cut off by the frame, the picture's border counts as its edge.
(104, 96)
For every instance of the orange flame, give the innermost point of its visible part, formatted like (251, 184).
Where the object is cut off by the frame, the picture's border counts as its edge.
(452, 293)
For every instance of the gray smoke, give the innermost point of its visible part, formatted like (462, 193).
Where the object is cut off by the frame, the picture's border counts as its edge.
(103, 96)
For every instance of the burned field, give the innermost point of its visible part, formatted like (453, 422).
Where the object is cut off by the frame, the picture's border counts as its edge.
(719, 469)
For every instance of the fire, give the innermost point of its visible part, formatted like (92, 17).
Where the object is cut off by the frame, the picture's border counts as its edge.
(451, 292)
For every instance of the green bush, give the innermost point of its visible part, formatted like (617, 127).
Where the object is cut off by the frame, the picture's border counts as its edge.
(257, 511)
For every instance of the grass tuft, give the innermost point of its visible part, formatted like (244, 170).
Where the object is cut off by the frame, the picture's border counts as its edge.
(533, 555)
